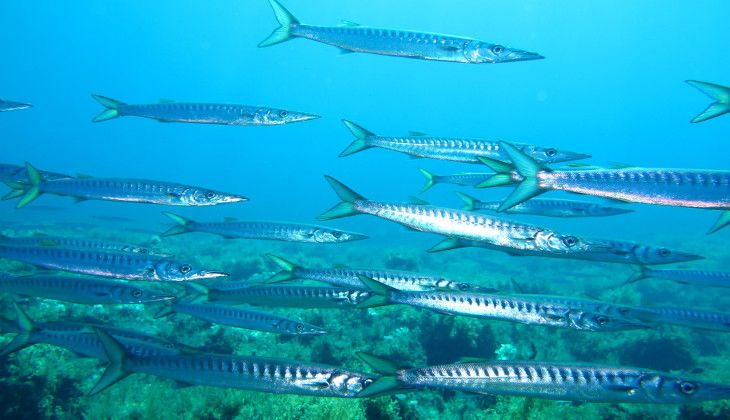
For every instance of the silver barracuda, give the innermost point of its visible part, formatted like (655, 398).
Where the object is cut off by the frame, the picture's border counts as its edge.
(276, 376)
(548, 208)
(120, 265)
(349, 277)
(86, 290)
(351, 37)
(670, 187)
(472, 229)
(689, 277)
(466, 150)
(464, 179)
(601, 250)
(201, 113)
(548, 380)
(17, 173)
(79, 243)
(275, 231)
(81, 338)
(527, 309)
(116, 189)
(6, 105)
(284, 296)
(242, 318)
(684, 317)
(721, 95)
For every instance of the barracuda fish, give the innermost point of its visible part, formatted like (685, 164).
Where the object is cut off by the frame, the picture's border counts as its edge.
(92, 291)
(12, 106)
(274, 231)
(276, 376)
(691, 318)
(548, 380)
(464, 179)
(81, 339)
(692, 277)
(284, 296)
(200, 113)
(548, 208)
(118, 265)
(117, 189)
(18, 173)
(528, 310)
(352, 37)
(721, 95)
(449, 148)
(79, 243)
(601, 250)
(669, 187)
(242, 318)
(472, 229)
(349, 277)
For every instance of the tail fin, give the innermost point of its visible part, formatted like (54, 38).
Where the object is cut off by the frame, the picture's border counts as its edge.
(17, 189)
(387, 384)
(721, 95)
(528, 168)
(347, 206)
(381, 293)
(31, 191)
(287, 269)
(469, 201)
(503, 174)
(360, 142)
(22, 339)
(195, 292)
(722, 221)
(283, 32)
(182, 226)
(640, 273)
(116, 354)
(430, 181)
(111, 111)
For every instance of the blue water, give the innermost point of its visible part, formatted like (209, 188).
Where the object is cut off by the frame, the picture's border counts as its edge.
(612, 85)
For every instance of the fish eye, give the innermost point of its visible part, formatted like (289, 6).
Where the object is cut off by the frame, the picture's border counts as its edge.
(570, 241)
(551, 152)
(142, 251)
(137, 293)
(498, 49)
(687, 388)
(664, 252)
(283, 114)
(601, 320)
(210, 195)
(464, 286)
(185, 268)
(300, 328)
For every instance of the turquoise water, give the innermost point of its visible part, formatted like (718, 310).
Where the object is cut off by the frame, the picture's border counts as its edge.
(612, 85)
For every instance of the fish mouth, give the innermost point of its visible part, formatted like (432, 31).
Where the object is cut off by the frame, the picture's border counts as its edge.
(305, 117)
(685, 256)
(356, 237)
(518, 55)
(236, 199)
(210, 275)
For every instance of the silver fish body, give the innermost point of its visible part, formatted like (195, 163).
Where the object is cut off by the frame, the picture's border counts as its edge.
(350, 277)
(91, 291)
(6, 105)
(119, 265)
(201, 113)
(468, 150)
(352, 37)
(291, 296)
(244, 318)
(548, 208)
(684, 317)
(277, 231)
(79, 243)
(563, 382)
(689, 277)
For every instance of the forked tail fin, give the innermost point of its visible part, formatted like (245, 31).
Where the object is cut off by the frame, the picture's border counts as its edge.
(344, 208)
(22, 339)
(182, 226)
(283, 32)
(111, 111)
(287, 269)
(527, 168)
(360, 143)
(721, 95)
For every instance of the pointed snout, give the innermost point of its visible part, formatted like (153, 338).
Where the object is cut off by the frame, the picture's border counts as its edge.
(204, 274)
(519, 55)
(299, 116)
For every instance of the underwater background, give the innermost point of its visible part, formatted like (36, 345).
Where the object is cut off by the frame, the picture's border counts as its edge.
(612, 85)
